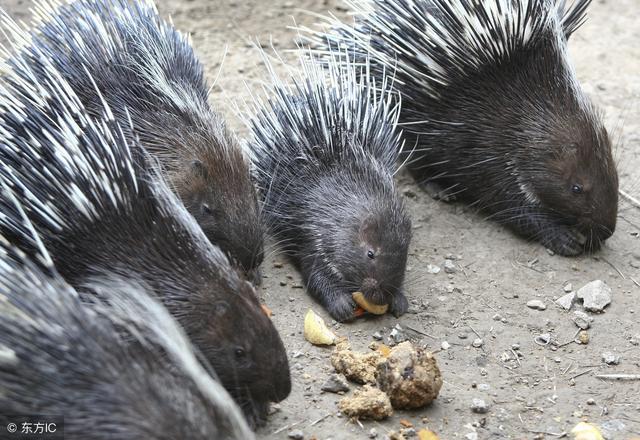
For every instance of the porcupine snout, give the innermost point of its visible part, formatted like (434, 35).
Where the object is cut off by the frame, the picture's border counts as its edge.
(372, 291)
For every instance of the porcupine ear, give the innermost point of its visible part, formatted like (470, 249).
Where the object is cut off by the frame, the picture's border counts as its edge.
(574, 16)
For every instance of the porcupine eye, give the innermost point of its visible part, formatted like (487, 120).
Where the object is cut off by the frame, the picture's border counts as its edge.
(577, 188)
(371, 254)
(206, 209)
(240, 353)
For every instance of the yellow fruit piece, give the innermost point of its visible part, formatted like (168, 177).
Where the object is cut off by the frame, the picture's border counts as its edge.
(376, 309)
(425, 434)
(586, 431)
(316, 331)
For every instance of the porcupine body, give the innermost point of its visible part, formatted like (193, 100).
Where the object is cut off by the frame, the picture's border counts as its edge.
(325, 153)
(492, 110)
(60, 357)
(146, 70)
(101, 214)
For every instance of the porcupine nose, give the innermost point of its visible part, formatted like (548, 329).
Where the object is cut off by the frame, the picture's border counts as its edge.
(371, 290)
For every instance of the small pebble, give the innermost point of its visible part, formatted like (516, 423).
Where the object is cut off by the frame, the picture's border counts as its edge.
(450, 267)
(484, 386)
(477, 343)
(591, 401)
(479, 406)
(397, 334)
(596, 295)
(335, 384)
(536, 304)
(515, 347)
(497, 317)
(582, 320)
(566, 301)
(463, 336)
(432, 268)
(471, 436)
(445, 345)
(377, 336)
(610, 358)
(373, 433)
(568, 287)
(635, 340)
(296, 435)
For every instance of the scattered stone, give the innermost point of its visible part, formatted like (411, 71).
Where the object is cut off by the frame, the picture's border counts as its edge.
(484, 386)
(568, 287)
(463, 336)
(610, 358)
(582, 320)
(635, 339)
(397, 335)
(471, 436)
(566, 301)
(445, 345)
(591, 401)
(409, 432)
(410, 376)
(479, 406)
(296, 435)
(612, 428)
(477, 343)
(278, 265)
(536, 304)
(367, 403)
(357, 367)
(515, 347)
(596, 295)
(377, 336)
(432, 268)
(336, 383)
(450, 266)
(543, 339)
(583, 337)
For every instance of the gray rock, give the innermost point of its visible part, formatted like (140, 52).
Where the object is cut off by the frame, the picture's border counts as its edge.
(536, 304)
(450, 266)
(409, 433)
(610, 358)
(471, 436)
(336, 383)
(596, 295)
(445, 345)
(635, 339)
(582, 320)
(432, 268)
(568, 287)
(477, 343)
(612, 428)
(397, 335)
(373, 433)
(377, 336)
(566, 301)
(479, 406)
(296, 435)
(484, 386)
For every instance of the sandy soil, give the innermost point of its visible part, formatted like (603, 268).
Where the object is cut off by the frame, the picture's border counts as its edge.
(547, 388)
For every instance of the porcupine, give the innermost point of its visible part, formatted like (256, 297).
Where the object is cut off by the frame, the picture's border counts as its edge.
(100, 214)
(325, 154)
(493, 112)
(63, 358)
(146, 70)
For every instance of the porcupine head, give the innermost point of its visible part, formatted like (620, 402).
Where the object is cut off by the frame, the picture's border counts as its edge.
(367, 248)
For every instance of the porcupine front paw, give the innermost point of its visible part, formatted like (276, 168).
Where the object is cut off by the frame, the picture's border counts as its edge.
(341, 307)
(399, 304)
(566, 242)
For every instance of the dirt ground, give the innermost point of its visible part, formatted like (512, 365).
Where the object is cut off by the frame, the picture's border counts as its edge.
(548, 388)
